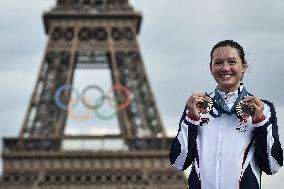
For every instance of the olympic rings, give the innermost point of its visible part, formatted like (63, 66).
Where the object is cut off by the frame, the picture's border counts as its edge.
(98, 103)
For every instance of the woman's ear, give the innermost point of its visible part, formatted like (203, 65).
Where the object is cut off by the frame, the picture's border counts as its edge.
(245, 67)
(210, 67)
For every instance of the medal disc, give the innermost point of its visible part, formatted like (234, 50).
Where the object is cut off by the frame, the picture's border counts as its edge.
(205, 106)
(244, 110)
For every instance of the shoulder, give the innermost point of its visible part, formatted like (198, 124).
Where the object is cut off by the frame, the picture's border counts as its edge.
(268, 105)
(266, 102)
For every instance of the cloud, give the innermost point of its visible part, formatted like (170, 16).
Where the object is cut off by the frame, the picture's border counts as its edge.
(21, 31)
(175, 41)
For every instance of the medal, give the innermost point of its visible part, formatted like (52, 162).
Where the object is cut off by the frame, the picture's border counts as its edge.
(205, 106)
(244, 110)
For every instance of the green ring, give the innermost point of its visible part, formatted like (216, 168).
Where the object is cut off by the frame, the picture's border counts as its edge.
(102, 116)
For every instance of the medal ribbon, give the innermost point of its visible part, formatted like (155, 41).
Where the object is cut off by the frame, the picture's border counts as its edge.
(222, 107)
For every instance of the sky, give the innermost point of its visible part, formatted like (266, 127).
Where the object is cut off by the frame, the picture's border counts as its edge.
(175, 40)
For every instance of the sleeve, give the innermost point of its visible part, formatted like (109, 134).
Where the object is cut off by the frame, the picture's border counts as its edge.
(183, 147)
(268, 151)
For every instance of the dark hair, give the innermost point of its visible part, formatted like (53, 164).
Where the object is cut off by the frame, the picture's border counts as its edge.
(232, 44)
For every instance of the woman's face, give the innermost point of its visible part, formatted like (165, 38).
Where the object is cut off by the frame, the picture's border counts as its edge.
(227, 68)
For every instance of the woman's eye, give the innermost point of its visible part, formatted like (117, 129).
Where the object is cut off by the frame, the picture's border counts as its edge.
(217, 63)
(232, 62)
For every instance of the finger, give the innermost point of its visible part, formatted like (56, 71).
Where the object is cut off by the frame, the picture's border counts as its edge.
(257, 110)
(198, 100)
(197, 95)
(258, 102)
(193, 100)
(248, 98)
(251, 104)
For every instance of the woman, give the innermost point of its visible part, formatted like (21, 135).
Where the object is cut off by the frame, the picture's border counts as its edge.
(227, 150)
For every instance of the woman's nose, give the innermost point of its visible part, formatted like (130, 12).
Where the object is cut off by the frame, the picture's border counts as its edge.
(225, 66)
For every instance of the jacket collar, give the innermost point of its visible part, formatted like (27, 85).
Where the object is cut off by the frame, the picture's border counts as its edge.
(220, 103)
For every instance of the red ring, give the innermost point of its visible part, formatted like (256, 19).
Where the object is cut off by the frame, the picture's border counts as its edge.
(126, 91)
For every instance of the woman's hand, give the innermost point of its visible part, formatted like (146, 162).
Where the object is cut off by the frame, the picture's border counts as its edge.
(257, 104)
(191, 103)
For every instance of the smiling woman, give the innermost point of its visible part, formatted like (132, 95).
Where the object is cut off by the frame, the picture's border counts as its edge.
(228, 136)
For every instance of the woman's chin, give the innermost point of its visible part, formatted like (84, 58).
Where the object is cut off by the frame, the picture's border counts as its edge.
(228, 86)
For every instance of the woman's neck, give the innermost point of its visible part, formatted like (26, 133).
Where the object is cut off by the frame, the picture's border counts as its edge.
(228, 90)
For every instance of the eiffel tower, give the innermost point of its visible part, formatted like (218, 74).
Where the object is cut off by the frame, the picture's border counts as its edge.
(94, 35)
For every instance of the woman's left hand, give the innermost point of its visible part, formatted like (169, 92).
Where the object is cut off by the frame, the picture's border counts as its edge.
(257, 104)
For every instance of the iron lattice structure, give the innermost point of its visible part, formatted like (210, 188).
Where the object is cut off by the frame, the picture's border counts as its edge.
(90, 34)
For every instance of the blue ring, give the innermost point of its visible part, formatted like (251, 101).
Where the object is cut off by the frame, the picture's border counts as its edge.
(58, 93)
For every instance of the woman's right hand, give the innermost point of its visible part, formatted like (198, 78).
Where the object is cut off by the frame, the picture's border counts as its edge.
(191, 103)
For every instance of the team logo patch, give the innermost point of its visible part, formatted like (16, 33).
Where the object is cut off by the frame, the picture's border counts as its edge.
(204, 121)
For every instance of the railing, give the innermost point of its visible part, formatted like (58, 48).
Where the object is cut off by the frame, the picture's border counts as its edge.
(95, 4)
(82, 143)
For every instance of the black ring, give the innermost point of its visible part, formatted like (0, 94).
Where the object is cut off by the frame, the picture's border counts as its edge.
(95, 105)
